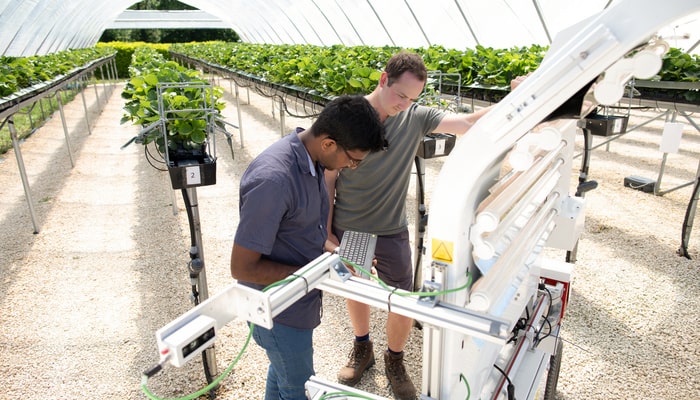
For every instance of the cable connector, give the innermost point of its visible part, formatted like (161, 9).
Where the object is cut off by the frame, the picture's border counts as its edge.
(149, 373)
(165, 357)
(511, 391)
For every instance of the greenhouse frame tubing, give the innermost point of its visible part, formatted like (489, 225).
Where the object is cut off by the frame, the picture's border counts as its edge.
(52, 89)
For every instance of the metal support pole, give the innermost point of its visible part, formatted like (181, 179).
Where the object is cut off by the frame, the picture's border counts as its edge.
(22, 172)
(97, 95)
(238, 110)
(662, 168)
(115, 73)
(41, 107)
(65, 128)
(87, 116)
(29, 115)
(202, 275)
(104, 84)
(282, 122)
(691, 121)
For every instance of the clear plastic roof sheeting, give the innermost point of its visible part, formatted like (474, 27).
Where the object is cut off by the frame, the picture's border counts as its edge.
(29, 27)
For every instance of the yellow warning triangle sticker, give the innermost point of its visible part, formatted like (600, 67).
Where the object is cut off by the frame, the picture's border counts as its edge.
(442, 250)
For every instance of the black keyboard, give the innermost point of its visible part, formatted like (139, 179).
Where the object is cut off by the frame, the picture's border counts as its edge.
(358, 248)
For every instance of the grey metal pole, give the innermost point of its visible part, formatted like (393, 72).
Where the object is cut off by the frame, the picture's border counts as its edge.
(22, 172)
(97, 95)
(282, 121)
(662, 168)
(202, 275)
(240, 118)
(65, 128)
(85, 108)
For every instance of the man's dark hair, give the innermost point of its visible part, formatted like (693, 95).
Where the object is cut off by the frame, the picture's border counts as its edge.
(352, 122)
(405, 61)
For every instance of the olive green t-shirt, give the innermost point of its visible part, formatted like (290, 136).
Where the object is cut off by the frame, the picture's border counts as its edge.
(372, 197)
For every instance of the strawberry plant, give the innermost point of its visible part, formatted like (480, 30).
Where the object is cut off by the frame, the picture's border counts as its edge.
(17, 73)
(334, 70)
(162, 90)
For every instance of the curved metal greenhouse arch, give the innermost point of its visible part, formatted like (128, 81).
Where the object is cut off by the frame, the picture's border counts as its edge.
(36, 27)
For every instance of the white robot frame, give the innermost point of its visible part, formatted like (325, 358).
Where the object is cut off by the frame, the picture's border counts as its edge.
(493, 304)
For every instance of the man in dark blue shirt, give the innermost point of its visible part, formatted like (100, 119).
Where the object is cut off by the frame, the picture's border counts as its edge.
(283, 226)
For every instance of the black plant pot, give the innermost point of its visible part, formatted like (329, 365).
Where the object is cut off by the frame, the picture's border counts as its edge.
(191, 168)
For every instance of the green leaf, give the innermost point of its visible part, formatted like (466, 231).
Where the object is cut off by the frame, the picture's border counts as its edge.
(198, 136)
(151, 79)
(354, 82)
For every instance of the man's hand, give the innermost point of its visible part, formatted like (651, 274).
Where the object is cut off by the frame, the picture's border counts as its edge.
(332, 243)
(518, 80)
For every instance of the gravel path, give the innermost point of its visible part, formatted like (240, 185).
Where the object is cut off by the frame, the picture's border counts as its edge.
(82, 299)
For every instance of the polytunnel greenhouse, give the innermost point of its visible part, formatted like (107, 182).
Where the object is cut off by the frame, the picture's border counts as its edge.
(546, 214)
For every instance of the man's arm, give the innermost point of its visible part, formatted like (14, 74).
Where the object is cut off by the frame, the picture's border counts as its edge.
(459, 124)
(247, 265)
(332, 242)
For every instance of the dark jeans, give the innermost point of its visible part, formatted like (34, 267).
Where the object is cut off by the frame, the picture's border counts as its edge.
(290, 353)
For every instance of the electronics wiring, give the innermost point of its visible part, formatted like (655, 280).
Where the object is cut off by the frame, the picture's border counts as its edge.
(466, 383)
(215, 382)
(511, 387)
(152, 371)
(406, 293)
(146, 375)
(546, 319)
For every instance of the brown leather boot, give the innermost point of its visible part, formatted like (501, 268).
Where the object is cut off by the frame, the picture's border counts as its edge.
(398, 378)
(361, 358)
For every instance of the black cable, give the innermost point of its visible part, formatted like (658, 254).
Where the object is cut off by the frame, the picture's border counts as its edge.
(274, 94)
(583, 184)
(688, 220)
(511, 387)
(549, 332)
(546, 318)
(420, 181)
(151, 160)
(421, 223)
(207, 374)
(190, 216)
(520, 324)
(421, 210)
(305, 282)
(389, 299)
(585, 161)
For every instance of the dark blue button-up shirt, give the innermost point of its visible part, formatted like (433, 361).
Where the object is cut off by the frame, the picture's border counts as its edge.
(283, 215)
